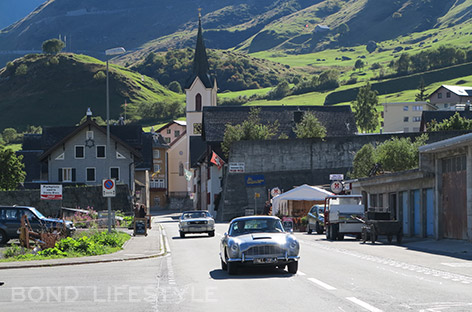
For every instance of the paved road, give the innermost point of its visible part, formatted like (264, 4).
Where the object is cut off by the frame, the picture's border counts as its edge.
(333, 276)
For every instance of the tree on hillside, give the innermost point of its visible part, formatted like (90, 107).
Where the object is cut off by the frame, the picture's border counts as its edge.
(365, 111)
(9, 135)
(279, 92)
(455, 122)
(175, 86)
(359, 64)
(309, 127)
(11, 170)
(53, 46)
(403, 63)
(421, 95)
(250, 129)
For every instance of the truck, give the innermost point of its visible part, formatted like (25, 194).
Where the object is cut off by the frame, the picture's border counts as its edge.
(343, 215)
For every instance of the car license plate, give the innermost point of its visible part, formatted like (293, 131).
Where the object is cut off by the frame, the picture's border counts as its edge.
(265, 260)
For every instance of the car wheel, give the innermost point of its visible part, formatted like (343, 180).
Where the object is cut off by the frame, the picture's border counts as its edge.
(211, 233)
(328, 232)
(309, 229)
(232, 268)
(334, 231)
(3, 237)
(182, 234)
(224, 267)
(319, 228)
(293, 267)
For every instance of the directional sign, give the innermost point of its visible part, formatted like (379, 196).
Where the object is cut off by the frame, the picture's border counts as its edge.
(108, 188)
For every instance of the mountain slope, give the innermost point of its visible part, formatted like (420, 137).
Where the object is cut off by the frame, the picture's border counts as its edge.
(57, 90)
(14, 10)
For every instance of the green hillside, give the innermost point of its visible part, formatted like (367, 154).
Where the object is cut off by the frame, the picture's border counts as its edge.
(48, 90)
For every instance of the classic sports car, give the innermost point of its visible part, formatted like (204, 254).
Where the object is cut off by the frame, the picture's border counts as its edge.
(196, 221)
(258, 241)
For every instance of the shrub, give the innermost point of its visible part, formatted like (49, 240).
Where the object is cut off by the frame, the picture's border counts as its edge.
(100, 75)
(21, 70)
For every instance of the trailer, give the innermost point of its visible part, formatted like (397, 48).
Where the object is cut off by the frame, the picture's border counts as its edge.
(379, 223)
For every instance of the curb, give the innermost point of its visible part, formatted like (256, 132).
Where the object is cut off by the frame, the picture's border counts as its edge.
(162, 246)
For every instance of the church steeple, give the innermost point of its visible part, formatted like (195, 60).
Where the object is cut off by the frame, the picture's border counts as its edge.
(201, 68)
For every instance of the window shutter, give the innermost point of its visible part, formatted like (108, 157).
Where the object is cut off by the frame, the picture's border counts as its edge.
(59, 174)
(73, 174)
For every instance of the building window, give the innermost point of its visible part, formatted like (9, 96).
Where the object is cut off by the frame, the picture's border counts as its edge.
(167, 139)
(176, 133)
(156, 153)
(197, 128)
(446, 105)
(416, 118)
(448, 94)
(405, 119)
(198, 102)
(405, 108)
(439, 95)
(156, 168)
(417, 108)
(89, 135)
(90, 174)
(181, 169)
(115, 173)
(169, 131)
(66, 175)
(79, 151)
(416, 129)
(101, 151)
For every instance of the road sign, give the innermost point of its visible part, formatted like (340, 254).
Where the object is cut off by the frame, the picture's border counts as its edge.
(108, 188)
(275, 191)
(51, 191)
(335, 177)
(336, 187)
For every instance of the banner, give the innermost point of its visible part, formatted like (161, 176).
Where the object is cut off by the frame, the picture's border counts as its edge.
(217, 160)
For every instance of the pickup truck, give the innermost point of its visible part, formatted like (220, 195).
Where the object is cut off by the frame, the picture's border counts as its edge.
(340, 213)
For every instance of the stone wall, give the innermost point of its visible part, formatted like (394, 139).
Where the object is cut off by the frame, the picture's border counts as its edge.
(73, 197)
(289, 163)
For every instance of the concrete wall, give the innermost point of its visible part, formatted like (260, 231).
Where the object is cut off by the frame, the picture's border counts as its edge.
(290, 163)
(73, 197)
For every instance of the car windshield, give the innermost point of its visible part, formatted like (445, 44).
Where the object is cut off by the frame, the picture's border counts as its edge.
(37, 213)
(255, 226)
(195, 215)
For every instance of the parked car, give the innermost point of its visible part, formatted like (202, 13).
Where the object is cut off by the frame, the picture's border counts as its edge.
(10, 222)
(258, 241)
(196, 221)
(315, 219)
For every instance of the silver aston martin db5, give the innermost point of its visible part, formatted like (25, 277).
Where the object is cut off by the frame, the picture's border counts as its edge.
(196, 221)
(258, 241)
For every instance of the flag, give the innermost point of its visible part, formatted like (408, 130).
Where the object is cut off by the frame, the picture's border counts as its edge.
(217, 160)
(156, 173)
(188, 174)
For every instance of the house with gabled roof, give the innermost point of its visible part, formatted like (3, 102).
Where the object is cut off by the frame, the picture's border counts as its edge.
(446, 96)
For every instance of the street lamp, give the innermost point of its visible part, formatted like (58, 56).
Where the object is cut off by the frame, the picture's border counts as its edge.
(114, 51)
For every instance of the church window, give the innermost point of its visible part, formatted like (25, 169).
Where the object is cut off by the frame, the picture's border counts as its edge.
(198, 102)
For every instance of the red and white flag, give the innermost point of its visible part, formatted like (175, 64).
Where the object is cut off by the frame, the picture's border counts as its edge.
(217, 160)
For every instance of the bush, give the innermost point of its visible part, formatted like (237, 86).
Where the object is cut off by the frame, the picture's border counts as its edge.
(21, 70)
(100, 75)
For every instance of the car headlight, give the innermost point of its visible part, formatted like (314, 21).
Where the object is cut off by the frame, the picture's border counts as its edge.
(293, 245)
(234, 249)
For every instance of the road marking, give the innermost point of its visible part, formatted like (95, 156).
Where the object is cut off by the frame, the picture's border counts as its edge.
(301, 273)
(322, 284)
(218, 234)
(363, 304)
(458, 265)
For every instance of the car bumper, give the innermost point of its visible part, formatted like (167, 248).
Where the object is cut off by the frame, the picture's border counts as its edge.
(197, 228)
(264, 260)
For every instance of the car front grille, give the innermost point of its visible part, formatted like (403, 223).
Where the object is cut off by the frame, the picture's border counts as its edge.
(198, 222)
(271, 250)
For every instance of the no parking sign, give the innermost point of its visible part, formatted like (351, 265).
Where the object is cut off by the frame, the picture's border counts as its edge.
(108, 188)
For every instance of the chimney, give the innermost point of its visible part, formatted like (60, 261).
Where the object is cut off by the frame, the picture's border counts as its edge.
(89, 114)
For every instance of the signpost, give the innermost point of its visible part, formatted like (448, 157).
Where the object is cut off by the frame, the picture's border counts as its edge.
(337, 187)
(51, 191)
(336, 177)
(236, 167)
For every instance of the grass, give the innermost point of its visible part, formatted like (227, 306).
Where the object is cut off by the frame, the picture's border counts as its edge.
(158, 126)
(88, 243)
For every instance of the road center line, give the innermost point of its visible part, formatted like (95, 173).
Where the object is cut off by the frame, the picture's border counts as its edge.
(322, 284)
(363, 304)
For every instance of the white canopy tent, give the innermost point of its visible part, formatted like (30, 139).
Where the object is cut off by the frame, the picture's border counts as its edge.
(303, 192)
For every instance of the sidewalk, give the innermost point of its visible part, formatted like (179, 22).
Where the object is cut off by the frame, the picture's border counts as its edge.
(448, 247)
(138, 247)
